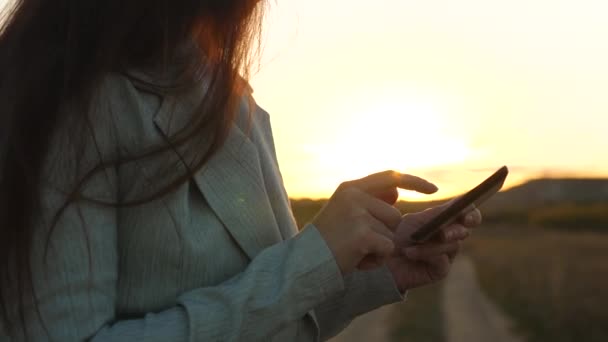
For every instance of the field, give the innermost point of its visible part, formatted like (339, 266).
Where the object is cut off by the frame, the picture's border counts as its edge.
(553, 283)
(420, 317)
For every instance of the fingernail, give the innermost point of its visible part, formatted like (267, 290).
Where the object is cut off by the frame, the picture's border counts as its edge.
(469, 220)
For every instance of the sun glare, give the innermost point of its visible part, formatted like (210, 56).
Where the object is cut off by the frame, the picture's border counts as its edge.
(403, 134)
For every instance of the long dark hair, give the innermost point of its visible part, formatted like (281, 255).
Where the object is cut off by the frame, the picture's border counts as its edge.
(54, 53)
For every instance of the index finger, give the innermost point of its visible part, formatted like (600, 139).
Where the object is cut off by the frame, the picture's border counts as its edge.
(409, 182)
(393, 179)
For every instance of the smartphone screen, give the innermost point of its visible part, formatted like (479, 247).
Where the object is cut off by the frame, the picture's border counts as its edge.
(462, 205)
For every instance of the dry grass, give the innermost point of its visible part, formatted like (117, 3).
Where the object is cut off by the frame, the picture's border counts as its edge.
(572, 216)
(554, 284)
(420, 317)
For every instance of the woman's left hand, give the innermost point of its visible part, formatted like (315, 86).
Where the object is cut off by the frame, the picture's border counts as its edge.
(419, 265)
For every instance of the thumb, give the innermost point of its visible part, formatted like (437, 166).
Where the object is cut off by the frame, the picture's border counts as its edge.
(410, 223)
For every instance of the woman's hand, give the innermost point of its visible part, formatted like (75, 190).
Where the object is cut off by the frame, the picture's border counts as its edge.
(356, 224)
(418, 265)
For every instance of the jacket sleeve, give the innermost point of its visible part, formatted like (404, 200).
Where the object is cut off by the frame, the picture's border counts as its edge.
(76, 288)
(76, 281)
(364, 291)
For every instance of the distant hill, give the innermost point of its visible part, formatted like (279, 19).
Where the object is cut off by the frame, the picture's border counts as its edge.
(540, 201)
(559, 203)
(538, 193)
(544, 192)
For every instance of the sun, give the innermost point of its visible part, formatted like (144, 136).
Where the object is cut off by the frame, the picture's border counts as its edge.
(400, 133)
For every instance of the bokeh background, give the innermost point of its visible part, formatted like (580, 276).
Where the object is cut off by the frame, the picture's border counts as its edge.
(449, 90)
(452, 90)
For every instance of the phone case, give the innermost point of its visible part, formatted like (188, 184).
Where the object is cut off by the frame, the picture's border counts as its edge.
(475, 198)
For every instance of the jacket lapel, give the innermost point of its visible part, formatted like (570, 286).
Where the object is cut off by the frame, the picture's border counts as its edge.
(231, 181)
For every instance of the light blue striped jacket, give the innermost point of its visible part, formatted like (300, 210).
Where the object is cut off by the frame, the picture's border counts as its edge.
(219, 259)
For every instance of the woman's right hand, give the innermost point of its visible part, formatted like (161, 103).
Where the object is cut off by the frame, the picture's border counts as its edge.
(357, 225)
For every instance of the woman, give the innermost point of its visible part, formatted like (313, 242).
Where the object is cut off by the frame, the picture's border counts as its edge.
(141, 198)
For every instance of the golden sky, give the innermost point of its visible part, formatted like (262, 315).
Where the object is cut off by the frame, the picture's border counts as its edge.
(448, 90)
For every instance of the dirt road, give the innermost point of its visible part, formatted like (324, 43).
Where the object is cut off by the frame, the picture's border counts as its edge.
(468, 314)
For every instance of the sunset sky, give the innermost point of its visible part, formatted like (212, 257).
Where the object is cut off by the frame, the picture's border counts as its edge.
(447, 90)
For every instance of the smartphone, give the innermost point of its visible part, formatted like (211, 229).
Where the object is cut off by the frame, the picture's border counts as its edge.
(462, 205)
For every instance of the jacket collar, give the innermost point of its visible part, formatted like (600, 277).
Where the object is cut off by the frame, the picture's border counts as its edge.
(231, 181)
